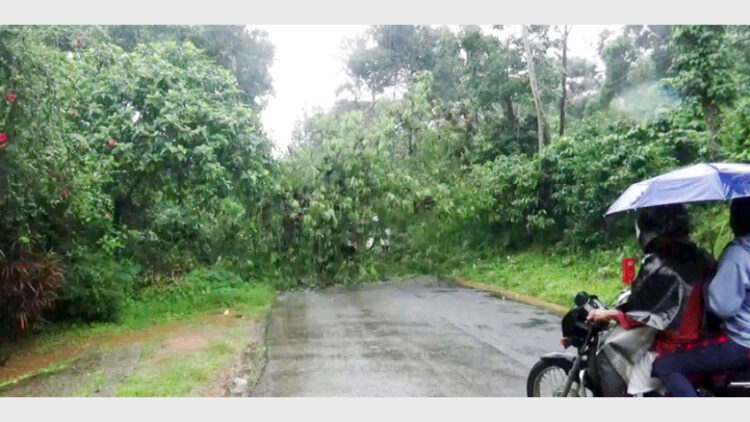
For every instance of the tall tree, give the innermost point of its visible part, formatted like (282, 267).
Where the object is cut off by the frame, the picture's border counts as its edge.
(566, 32)
(247, 53)
(653, 41)
(493, 86)
(583, 87)
(534, 87)
(702, 70)
(398, 54)
(618, 55)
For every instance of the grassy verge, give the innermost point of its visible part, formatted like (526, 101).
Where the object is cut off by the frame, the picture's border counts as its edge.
(153, 313)
(550, 277)
(203, 291)
(185, 374)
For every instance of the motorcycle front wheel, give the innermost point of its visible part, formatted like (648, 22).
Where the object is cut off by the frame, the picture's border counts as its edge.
(547, 379)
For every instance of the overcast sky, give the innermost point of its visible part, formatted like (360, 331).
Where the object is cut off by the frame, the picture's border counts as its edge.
(309, 66)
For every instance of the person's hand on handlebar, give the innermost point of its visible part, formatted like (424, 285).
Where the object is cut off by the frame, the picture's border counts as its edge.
(602, 315)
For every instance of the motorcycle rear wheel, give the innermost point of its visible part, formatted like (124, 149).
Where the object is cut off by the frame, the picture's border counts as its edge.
(547, 378)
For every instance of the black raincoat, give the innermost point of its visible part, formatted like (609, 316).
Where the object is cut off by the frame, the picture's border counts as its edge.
(659, 297)
(669, 272)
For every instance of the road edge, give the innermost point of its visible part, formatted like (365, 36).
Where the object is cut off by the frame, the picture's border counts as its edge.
(509, 294)
(249, 364)
(52, 368)
(261, 353)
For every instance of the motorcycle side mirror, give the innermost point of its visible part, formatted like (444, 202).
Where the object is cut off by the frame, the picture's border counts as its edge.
(581, 299)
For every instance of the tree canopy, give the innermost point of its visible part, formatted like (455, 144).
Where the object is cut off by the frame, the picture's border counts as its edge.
(131, 155)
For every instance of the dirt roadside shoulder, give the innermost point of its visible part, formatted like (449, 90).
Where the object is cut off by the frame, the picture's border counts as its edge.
(207, 355)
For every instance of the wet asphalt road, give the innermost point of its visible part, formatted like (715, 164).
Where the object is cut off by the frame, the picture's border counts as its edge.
(417, 338)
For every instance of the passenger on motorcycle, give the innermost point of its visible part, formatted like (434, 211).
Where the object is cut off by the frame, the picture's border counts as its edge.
(729, 298)
(665, 309)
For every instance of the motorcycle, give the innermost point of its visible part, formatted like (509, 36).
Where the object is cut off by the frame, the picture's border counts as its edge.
(562, 374)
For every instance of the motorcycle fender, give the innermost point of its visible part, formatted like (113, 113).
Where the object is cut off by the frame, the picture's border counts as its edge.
(555, 356)
(567, 359)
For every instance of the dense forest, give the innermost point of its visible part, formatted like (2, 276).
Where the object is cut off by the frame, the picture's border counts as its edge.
(132, 156)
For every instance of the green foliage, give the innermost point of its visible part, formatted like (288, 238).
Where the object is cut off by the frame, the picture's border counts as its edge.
(735, 132)
(586, 175)
(51, 189)
(206, 291)
(96, 287)
(144, 144)
(549, 276)
(51, 192)
(653, 42)
(183, 145)
(246, 53)
(703, 70)
(702, 63)
(151, 155)
(400, 52)
(344, 191)
(617, 55)
(467, 160)
(710, 227)
(202, 290)
(557, 198)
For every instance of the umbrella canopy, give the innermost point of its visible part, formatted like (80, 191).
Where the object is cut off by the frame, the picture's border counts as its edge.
(698, 183)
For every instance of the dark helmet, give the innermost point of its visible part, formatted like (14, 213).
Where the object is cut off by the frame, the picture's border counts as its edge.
(670, 221)
(739, 216)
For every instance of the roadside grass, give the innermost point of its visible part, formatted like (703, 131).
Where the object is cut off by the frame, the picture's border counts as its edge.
(249, 299)
(95, 382)
(184, 375)
(556, 276)
(552, 277)
(202, 292)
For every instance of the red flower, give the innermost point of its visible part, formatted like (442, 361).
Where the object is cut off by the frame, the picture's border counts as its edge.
(106, 215)
(78, 43)
(11, 97)
(3, 138)
(64, 192)
(111, 143)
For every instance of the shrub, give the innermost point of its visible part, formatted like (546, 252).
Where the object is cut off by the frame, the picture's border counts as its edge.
(736, 132)
(201, 290)
(28, 282)
(96, 288)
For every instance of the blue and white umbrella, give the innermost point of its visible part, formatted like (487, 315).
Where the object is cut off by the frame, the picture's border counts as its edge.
(697, 183)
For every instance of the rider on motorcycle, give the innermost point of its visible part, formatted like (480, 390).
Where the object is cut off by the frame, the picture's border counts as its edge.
(665, 309)
(729, 298)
